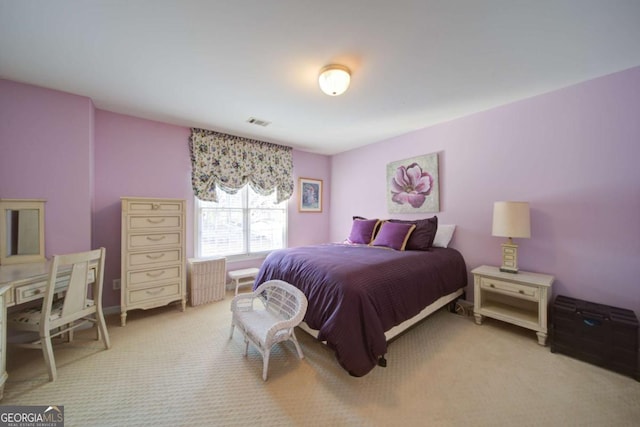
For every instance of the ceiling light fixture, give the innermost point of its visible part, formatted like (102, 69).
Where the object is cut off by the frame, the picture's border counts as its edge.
(334, 79)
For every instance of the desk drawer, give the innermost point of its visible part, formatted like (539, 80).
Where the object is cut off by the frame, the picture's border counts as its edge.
(142, 241)
(155, 222)
(141, 259)
(509, 288)
(150, 294)
(36, 290)
(138, 279)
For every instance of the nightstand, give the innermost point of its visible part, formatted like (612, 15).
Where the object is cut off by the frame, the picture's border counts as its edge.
(521, 298)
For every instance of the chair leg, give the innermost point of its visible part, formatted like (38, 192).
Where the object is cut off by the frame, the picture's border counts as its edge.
(232, 327)
(246, 346)
(102, 330)
(295, 342)
(47, 351)
(265, 364)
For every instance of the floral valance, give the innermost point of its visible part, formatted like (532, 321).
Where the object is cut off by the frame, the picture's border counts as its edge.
(230, 162)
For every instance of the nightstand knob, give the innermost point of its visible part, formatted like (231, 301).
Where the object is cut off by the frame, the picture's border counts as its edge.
(521, 291)
(492, 285)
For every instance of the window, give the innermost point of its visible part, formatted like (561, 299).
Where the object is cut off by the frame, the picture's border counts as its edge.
(244, 223)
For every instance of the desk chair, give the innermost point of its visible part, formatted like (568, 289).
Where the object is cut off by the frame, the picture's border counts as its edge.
(61, 315)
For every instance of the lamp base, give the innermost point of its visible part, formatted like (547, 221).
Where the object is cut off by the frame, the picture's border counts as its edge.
(509, 257)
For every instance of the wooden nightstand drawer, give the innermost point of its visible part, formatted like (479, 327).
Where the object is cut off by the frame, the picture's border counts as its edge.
(509, 288)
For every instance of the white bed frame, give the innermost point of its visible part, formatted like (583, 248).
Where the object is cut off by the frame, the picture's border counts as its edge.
(398, 329)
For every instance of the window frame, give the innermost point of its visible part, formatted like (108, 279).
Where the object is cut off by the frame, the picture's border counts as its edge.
(246, 215)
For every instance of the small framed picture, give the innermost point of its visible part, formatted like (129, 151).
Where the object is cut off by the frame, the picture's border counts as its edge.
(310, 195)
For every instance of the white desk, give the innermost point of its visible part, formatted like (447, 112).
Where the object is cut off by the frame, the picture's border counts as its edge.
(28, 282)
(19, 284)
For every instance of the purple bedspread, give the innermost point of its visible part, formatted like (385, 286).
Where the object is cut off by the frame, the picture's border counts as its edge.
(358, 292)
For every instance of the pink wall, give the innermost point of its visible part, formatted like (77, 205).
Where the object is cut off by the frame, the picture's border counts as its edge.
(136, 157)
(573, 154)
(46, 139)
(139, 158)
(310, 228)
(56, 146)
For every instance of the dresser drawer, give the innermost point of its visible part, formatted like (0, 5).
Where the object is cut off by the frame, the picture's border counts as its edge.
(140, 259)
(509, 288)
(150, 240)
(141, 205)
(150, 294)
(154, 222)
(138, 279)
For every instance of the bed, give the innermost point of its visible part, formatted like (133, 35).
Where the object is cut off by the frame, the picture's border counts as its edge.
(361, 296)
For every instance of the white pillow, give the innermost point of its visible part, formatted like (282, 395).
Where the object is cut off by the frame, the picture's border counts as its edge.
(444, 233)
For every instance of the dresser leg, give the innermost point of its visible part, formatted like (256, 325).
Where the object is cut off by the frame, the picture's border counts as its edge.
(123, 318)
(542, 338)
(478, 318)
(184, 304)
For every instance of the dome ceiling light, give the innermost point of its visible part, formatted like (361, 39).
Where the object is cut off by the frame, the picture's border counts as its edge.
(334, 79)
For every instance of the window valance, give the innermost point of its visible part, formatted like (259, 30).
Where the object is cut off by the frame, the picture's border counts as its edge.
(230, 162)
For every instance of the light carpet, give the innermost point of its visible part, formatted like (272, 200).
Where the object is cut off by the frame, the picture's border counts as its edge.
(169, 368)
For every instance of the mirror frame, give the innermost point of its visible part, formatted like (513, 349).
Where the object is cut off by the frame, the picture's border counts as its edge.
(17, 204)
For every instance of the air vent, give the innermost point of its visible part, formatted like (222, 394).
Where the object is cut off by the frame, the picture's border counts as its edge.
(258, 122)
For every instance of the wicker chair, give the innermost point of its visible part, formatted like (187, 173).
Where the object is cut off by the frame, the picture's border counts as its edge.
(268, 316)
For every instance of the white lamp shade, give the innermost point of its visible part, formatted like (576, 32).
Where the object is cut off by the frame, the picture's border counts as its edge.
(334, 79)
(511, 219)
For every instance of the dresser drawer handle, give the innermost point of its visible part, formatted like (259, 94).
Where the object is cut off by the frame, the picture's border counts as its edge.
(156, 292)
(158, 274)
(155, 206)
(521, 291)
(492, 285)
(158, 221)
(155, 239)
(155, 257)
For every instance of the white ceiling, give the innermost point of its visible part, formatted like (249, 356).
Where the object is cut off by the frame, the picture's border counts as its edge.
(214, 64)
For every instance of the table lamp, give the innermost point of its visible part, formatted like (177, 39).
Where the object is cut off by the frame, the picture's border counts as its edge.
(511, 219)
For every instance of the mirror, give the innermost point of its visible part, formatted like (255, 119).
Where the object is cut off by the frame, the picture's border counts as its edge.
(21, 230)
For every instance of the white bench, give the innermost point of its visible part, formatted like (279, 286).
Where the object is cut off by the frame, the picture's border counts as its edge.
(246, 276)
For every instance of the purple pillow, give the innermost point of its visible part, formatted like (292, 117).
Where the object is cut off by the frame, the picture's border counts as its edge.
(363, 230)
(422, 237)
(393, 235)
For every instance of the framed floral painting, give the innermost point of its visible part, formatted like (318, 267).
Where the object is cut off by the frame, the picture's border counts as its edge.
(310, 197)
(412, 185)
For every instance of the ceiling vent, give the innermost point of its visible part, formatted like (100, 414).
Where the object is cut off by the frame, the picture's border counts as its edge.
(258, 122)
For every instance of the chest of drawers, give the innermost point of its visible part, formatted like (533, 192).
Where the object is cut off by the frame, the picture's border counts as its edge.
(153, 253)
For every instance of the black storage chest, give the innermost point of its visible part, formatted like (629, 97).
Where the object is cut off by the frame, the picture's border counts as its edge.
(603, 335)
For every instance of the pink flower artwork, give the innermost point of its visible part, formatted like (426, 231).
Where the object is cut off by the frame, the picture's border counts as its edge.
(413, 185)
